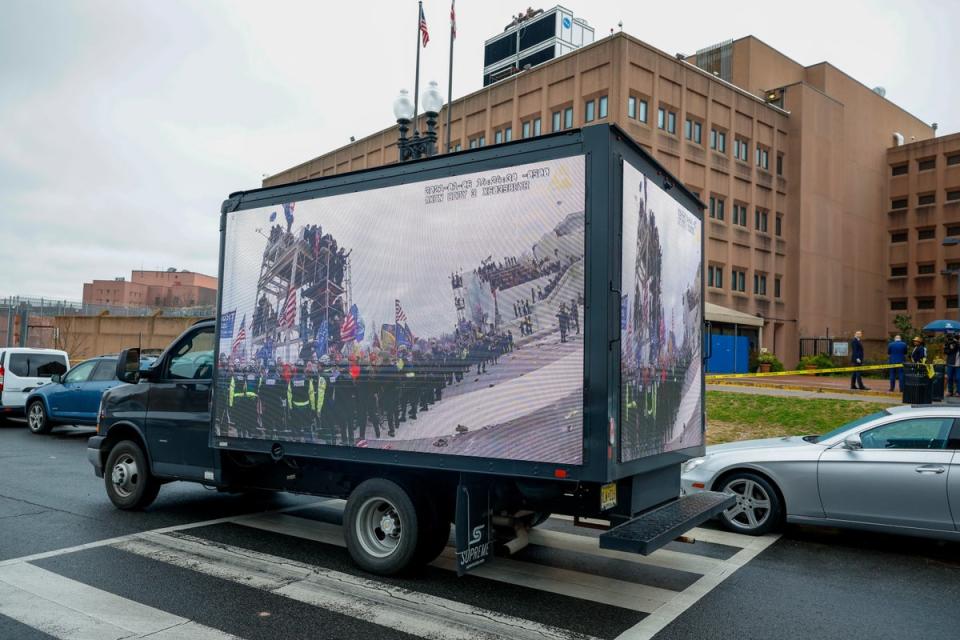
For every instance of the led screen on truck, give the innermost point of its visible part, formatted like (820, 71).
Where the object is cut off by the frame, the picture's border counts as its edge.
(660, 322)
(442, 316)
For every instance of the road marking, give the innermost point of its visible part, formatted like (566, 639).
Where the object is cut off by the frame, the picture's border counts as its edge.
(68, 609)
(628, 595)
(656, 621)
(663, 558)
(179, 527)
(395, 608)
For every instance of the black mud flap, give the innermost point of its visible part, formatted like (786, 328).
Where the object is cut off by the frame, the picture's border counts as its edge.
(473, 535)
(648, 532)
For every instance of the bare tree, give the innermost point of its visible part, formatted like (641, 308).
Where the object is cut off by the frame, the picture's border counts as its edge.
(69, 337)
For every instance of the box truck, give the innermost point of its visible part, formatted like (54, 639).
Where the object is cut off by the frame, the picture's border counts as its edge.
(481, 338)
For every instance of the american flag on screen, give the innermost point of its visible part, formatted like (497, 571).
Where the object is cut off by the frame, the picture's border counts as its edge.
(425, 37)
(401, 316)
(289, 316)
(241, 336)
(348, 330)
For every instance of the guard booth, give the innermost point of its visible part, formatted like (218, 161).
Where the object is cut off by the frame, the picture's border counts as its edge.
(732, 335)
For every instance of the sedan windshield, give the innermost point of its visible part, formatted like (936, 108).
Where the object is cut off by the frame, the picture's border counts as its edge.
(849, 425)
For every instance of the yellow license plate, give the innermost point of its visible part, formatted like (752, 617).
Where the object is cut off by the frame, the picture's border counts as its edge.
(608, 496)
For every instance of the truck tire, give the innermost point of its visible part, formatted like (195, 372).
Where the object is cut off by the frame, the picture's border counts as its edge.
(37, 420)
(130, 485)
(382, 527)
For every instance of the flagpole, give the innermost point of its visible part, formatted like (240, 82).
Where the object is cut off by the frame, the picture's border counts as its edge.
(453, 35)
(416, 82)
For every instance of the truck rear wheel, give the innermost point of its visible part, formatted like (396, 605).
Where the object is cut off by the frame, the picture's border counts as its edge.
(130, 485)
(381, 527)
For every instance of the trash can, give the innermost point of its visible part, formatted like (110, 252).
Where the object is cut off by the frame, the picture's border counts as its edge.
(916, 385)
(937, 382)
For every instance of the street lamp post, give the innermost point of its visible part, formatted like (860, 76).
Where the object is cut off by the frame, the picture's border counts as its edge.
(952, 242)
(418, 146)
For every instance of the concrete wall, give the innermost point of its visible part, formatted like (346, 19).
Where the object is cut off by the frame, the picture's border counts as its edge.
(87, 336)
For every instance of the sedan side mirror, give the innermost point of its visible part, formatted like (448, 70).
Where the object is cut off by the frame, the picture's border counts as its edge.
(853, 442)
(128, 366)
(55, 379)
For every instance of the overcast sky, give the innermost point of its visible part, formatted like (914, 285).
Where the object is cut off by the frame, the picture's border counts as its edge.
(123, 125)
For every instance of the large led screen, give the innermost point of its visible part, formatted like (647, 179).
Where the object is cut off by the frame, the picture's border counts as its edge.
(443, 316)
(660, 322)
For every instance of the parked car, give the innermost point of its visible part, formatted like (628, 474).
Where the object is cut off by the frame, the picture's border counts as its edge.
(896, 471)
(74, 398)
(24, 369)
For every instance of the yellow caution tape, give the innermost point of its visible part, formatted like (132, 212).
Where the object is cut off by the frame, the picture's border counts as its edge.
(808, 372)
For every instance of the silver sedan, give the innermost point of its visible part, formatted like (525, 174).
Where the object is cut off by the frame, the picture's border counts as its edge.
(896, 471)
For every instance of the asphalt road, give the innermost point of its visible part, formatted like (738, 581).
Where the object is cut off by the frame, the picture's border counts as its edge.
(277, 569)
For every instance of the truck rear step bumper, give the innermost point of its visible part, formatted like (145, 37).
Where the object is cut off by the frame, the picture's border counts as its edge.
(648, 532)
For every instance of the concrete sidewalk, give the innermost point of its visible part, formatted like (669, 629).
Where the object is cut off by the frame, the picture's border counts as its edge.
(877, 388)
(770, 390)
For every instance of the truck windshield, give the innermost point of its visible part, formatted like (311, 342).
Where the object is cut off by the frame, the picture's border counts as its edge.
(850, 425)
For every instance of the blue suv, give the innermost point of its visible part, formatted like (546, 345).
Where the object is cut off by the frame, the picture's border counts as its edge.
(74, 397)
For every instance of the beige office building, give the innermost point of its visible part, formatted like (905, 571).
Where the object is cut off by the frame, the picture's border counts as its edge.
(791, 160)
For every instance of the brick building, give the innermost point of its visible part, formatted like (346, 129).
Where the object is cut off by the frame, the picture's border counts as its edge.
(170, 288)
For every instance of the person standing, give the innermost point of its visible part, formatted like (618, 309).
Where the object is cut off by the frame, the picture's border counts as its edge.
(919, 353)
(951, 353)
(896, 354)
(856, 360)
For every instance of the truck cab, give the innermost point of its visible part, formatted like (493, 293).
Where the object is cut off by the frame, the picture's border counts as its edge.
(163, 417)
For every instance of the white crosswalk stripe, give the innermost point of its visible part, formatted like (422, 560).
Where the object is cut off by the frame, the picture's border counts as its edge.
(68, 609)
(65, 608)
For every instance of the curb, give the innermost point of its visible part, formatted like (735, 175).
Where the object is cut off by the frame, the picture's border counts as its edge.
(798, 387)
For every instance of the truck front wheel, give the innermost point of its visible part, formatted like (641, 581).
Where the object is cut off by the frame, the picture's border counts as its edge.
(381, 527)
(130, 485)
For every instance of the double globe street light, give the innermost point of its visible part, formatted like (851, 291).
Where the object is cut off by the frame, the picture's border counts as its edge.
(418, 146)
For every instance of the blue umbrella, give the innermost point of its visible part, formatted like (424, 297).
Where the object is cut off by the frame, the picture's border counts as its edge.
(942, 325)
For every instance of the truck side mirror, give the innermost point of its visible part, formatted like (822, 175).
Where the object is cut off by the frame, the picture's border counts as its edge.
(128, 365)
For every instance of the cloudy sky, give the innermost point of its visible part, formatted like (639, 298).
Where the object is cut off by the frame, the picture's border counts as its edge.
(124, 124)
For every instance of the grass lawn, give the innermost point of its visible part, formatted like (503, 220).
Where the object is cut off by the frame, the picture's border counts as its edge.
(742, 416)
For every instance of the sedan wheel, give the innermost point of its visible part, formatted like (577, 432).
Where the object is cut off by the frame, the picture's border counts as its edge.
(37, 418)
(758, 508)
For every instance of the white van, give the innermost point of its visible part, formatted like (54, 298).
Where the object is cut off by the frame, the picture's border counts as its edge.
(22, 370)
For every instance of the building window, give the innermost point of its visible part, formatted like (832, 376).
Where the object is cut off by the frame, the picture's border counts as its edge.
(926, 269)
(899, 203)
(740, 214)
(763, 157)
(898, 305)
(661, 118)
(926, 198)
(926, 164)
(926, 303)
(508, 134)
(718, 140)
(588, 111)
(525, 130)
(666, 120)
(483, 141)
(632, 107)
(602, 107)
(954, 159)
(474, 143)
(760, 220)
(953, 195)
(497, 136)
(716, 207)
(778, 224)
(693, 130)
(898, 271)
(899, 169)
(536, 126)
(779, 164)
(642, 114)
(898, 236)
(556, 121)
(741, 149)
(928, 233)
(568, 118)
(951, 302)
(738, 280)
(776, 287)
(715, 276)
(759, 284)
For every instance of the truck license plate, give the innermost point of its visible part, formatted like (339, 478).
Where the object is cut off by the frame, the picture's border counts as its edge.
(608, 496)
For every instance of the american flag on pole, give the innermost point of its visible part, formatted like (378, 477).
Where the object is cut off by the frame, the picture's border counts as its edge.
(289, 316)
(240, 338)
(453, 19)
(424, 36)
(401, 316)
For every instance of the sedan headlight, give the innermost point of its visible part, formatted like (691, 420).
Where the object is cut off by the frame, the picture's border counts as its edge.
(691, 464)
